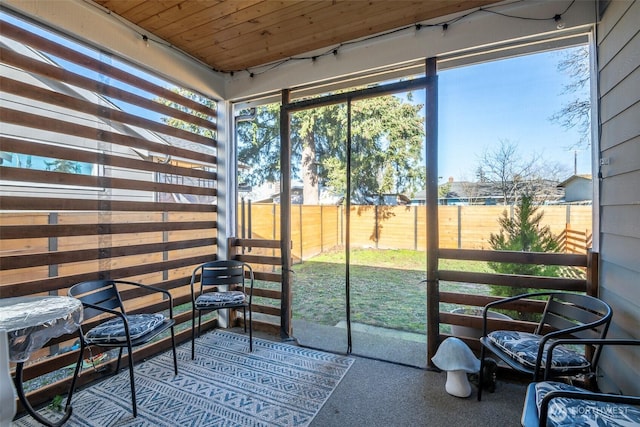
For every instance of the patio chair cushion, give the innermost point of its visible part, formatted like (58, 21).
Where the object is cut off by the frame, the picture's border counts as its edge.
(112, 331)
(565, 411)
(523, 347)
(220, 299)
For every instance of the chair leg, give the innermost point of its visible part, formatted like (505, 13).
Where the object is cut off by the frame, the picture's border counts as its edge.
(250, 331)
(480, 374)
(244, 315)
(119, 358)
(193, 334)
(175, 356)
(133, 386)
(76, 373)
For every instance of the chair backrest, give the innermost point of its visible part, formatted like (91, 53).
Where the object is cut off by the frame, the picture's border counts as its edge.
(222, 273)
(580, 316)
(583, 316)
(97, 296)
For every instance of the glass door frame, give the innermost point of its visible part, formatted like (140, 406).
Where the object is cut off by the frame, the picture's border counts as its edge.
(428, 83)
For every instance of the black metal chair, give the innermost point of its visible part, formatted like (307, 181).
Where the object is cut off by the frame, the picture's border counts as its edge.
(222, 285)
(566, 315)
(553, 403)
(121, 330)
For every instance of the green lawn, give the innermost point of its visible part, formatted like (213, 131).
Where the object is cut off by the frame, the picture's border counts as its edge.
(385, 288)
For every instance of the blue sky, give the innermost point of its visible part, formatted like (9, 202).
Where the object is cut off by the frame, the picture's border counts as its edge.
(510, 99)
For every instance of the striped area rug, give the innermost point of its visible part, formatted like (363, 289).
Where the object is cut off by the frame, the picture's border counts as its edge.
(276, 385)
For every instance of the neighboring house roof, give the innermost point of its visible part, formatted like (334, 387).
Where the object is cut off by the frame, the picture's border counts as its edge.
(586, 177)
(468, 190)
(578, 189)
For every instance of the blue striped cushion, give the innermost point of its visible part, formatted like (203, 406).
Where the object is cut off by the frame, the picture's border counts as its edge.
(220, 299)
(523, 347)
(564, 411)
(112, 331)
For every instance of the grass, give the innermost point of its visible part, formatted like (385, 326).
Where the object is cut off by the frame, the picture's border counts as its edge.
(385, 288)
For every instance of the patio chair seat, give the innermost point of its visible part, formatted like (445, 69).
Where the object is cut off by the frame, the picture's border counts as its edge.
(230, 275)
(100, 297)
(523, 347)
(211, 300)
(574, 406)
(540, 354)
(113, 331)
(551, 403)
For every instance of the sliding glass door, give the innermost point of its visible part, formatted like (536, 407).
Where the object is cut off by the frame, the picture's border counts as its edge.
(358, 282)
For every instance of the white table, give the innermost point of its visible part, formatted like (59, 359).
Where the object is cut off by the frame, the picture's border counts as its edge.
(30, 323)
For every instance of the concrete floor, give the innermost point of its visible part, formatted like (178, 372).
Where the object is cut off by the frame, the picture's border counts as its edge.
(371, 342)
(389, 385)
(383, 394)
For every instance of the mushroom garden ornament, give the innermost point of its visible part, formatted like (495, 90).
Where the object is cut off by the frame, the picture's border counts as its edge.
(455, 357)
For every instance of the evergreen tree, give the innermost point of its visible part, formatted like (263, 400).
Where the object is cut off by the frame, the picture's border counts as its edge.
(66, 166)
(386, 152)
(524, 232)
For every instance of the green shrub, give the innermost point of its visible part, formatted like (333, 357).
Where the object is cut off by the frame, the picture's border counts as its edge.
(524, 233)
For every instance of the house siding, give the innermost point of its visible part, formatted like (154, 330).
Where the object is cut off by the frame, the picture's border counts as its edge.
(578, 189)
(618, 40)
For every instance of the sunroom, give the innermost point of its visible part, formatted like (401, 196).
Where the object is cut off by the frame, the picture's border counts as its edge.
(140, 139)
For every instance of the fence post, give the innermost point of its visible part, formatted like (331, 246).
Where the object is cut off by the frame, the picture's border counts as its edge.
(341, 217)
(375, 225)
(273, 233)
(592, 272)
(300, 229)
(321, 231)
(165, 239)
(415, 228)
(459, 227)
(53, 269)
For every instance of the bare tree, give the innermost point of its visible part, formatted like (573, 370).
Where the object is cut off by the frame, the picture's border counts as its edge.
(472, 190)
(504, 167)
(514, 175)
(577, 112)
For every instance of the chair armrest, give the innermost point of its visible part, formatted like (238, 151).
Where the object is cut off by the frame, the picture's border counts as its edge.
(583, 341)
(582, 395)
(153, 289)
(493, 304)
(105, 310)
(192, 283)
(251, 280)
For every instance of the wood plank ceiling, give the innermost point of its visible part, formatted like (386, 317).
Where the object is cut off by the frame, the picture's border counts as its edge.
(232, 35)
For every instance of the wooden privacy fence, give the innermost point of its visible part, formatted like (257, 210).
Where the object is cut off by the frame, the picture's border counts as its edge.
(315, 229)
(575, 241)
(588, 285)
(266, 261)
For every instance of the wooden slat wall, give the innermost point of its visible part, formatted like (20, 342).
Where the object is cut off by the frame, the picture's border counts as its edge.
(146, 212)
(619, 80)
(511, 280)
(264, 256)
